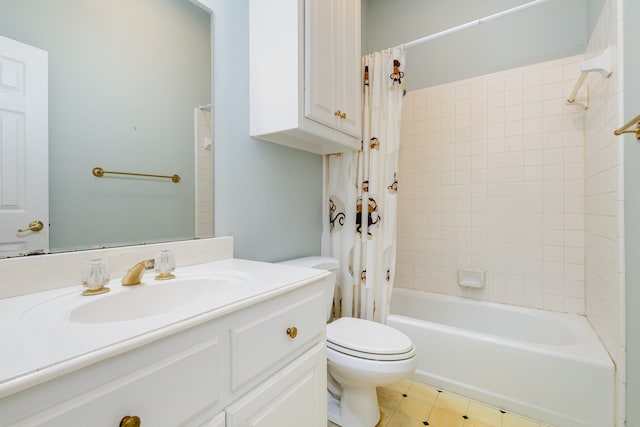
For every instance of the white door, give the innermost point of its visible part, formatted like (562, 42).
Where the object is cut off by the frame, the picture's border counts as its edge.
(24, 155)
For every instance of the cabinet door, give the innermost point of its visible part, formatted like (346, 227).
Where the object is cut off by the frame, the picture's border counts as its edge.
(333, 90)
(293, 397)
(348, 80)
(321, 61)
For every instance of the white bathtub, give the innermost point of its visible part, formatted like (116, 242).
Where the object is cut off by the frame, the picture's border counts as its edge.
(545, 365)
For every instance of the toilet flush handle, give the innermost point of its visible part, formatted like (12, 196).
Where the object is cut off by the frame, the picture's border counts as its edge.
(292, 332)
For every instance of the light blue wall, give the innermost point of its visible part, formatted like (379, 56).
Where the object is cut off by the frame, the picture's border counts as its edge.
(594, 8)
(632, 209)
(267, 196)
(548, 31)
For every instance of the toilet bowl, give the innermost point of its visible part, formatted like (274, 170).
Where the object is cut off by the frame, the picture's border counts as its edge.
(361, 355)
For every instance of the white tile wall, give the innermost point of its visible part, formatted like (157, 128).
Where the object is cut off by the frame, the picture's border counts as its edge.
(492, 179)
(604, 198)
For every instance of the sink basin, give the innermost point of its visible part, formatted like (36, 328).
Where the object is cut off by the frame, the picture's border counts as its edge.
(182, 297)
(151, 300)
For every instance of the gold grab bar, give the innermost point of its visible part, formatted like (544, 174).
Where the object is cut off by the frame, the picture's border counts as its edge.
(574, 92)
(625, 128)
(99, 172)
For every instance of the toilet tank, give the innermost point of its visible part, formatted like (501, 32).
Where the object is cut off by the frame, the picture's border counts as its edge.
(320, 263)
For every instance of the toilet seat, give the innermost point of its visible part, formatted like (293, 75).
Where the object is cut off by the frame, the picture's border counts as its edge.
(369, 340)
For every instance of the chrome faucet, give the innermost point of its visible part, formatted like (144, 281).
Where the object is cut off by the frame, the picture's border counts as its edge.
(135, 273)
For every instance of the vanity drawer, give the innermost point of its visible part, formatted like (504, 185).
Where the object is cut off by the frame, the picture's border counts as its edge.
(167, 392)
(274, 335)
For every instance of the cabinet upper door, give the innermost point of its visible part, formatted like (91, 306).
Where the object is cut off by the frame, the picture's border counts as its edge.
(332, 59)
(349, 78)
(321, 61)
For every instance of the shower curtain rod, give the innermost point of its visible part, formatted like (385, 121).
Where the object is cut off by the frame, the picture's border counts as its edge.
(472, 23)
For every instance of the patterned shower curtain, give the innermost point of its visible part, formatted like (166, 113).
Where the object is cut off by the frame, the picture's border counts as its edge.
(360, 194)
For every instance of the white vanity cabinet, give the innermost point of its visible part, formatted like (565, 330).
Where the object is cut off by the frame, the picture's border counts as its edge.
(305, 76)
(244, 367)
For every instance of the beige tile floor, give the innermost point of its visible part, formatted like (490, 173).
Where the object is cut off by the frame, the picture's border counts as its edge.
(412, 404)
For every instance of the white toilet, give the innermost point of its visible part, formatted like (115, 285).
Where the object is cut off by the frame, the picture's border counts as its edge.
(361, 355)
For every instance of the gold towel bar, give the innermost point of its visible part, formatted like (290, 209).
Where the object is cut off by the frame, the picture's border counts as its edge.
(99, 172)
(625, 128)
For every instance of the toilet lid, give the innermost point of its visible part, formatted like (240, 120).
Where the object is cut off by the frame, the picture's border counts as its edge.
(365, 336)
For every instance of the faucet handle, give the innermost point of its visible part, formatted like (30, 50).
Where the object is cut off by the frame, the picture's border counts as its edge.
(165, 263)
(95, 275)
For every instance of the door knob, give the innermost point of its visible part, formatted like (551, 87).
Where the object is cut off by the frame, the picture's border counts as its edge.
(36, 225)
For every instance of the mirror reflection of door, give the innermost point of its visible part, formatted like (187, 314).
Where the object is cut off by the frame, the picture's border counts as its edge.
(24, 170)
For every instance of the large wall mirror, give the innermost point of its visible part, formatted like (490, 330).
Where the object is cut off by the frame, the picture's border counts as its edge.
(129, 89)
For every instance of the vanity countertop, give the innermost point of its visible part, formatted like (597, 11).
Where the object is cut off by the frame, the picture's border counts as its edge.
(39, 340)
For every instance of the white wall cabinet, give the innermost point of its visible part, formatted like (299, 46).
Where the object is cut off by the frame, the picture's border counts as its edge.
(305, 73)
(250, 357)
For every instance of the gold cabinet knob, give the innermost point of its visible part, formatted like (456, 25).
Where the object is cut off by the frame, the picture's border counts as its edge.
(130, 421)
(292, 332)
(340, 114)
(36, 225)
